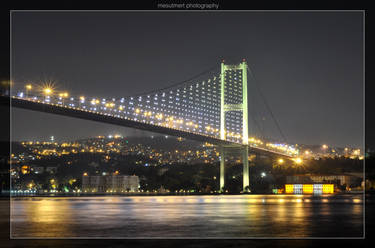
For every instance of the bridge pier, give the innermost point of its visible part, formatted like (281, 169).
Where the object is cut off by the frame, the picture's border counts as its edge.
(245, 162)
(222, 168)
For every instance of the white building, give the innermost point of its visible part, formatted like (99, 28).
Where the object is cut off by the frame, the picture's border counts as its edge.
(110, 183)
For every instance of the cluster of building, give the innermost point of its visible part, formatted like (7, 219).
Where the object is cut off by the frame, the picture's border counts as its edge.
(24, 162)
(116, 144)
(325, 151)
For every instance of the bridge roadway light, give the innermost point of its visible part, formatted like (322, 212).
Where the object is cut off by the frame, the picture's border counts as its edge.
(95, 101)
(298, 161)
(28, 87)
(47, 91)
(280, 161)
(63, 95)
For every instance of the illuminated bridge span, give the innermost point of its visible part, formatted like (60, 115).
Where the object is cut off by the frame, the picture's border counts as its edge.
(213, 109)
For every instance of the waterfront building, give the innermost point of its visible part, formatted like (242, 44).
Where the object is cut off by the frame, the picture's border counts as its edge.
(316, 189)
(110, 183)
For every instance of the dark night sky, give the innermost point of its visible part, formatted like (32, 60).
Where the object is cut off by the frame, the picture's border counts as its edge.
(308, 65)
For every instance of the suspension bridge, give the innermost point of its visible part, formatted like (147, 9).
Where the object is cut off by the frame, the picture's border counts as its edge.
(210, 107)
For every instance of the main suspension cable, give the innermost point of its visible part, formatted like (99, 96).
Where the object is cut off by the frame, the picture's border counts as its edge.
(184, 82)
(267, 106)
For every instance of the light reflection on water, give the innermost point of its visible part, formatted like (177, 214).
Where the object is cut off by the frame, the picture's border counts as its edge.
(188, 216)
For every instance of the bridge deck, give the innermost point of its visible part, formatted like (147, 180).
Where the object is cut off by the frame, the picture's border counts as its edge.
(106, 118)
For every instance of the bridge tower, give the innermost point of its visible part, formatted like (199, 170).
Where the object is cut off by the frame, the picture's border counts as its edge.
(243, 107)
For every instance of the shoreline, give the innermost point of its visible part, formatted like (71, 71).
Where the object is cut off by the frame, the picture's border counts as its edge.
(153, 195)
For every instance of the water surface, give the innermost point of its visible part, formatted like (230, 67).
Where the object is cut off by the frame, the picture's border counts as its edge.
(222, 216)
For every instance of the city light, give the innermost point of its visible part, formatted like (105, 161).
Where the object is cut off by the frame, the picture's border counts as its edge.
(47, 91)
(171, 109)
(28, 86)
(298, 160)
(95, 101)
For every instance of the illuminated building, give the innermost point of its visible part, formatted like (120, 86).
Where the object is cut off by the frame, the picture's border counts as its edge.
(316, 189)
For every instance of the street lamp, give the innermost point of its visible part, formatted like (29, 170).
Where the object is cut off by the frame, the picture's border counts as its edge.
(28, 87)
(63, 95)
(47, 91)
(81, 100)
(298, 161)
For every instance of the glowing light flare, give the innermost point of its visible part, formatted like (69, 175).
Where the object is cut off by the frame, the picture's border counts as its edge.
(298, 160)
(95, 101)
(109, 104)
(47, 91)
